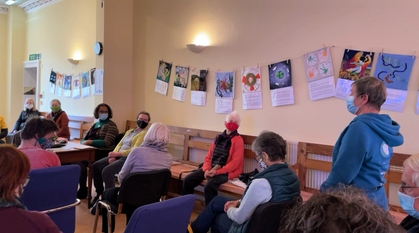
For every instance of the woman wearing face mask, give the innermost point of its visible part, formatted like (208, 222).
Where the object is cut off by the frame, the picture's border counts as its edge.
(14, 170)
(36, 137)
(102, 136)
(28, 112)
(105, 169)
(227, 151)
(362, 153)
(409, 194)
(60, 118)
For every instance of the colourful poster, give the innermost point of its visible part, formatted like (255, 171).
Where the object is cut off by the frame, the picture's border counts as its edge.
(181, 79)
(52, 79)
(163, 76)
(198, 80)
(251, 88)
(356, 64)
(224, 84)
(85, 87)
(59, 84)
(93, 79)
(67, 86)
(280, 75)
(394, 70)
(76, 86)
(318, 64)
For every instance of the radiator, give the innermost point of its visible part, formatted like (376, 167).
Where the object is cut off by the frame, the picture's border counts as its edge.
(314, 178)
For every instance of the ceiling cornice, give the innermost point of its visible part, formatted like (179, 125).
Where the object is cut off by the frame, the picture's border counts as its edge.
(34, 5)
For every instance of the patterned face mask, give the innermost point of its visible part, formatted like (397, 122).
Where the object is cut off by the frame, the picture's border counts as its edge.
(44, 143)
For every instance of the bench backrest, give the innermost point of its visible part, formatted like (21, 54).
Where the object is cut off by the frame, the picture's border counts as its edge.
(78, 125)
(186, 138)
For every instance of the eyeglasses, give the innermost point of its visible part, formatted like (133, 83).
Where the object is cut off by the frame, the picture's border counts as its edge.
(26, 182)
(403, 186)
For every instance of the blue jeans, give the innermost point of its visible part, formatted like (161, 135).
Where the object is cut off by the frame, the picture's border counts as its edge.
(213, 217)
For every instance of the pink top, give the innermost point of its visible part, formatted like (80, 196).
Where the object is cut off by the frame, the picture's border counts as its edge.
(40, 158)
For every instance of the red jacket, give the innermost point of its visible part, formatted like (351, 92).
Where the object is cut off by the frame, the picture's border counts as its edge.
(235, 161)
(62, 122)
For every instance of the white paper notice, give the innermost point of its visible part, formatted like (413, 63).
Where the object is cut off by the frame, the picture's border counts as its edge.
(179, 93)
(161, 87)
(59, 91)
(417, 105)
(52, 87)
(343, 88)
(395, 100)
(198, 98)
(282, 96)
(223, 105)
(252, 100)
(67, 93)
(322, 88)
(99, 82)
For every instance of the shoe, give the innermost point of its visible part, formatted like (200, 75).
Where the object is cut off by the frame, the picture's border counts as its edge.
(82, 193)
(93, 209)
(94, 200)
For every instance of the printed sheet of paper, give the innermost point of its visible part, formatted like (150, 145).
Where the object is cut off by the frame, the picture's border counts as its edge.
(282, 96)
(251, 88)
(52, 79)
(395, 100)
(223, 105)
(322, 88)
(199, 87)
(92, 79)
(67, 85)
(198, 98)
(59, 85)
(252, 100)
(163, 76)
(180, 83)
(76, 86)
(85, 87)
(343, 88)
(318, 64)
(99, 82)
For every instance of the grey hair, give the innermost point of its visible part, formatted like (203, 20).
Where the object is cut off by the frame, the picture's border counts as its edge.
(234, 116)
(413, 162)
(157, 133)
(374, 88)
(272, 144)
(55, 100)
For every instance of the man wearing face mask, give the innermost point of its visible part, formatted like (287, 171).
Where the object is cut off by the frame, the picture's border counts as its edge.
(60, 118)
(223, 162)
(409, 194)
(105, 169)
(36, 138)
(277, 183)
(362, 153)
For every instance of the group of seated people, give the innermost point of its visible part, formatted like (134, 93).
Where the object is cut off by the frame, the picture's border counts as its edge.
(340, 206)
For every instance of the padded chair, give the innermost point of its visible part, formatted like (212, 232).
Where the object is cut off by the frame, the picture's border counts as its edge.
(53, 191)
(268, 217)
(171, 215)
(137, 189)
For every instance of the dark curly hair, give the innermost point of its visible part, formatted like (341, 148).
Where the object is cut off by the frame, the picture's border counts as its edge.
(345, 210)
(37, 127)
(96, 111)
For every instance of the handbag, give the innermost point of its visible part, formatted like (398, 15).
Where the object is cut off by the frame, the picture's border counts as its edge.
(247, 177)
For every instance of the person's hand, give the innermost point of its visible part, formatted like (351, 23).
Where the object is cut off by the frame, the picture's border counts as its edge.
(14, 131)
(231, 204)
(211, 173)
(206, 175)
(111, 160)
(87, 142)
(113, 154)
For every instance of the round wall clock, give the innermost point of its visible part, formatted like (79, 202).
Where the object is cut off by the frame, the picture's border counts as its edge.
(98, 48)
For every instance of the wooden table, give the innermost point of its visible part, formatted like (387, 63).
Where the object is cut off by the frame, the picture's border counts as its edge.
(70, 154)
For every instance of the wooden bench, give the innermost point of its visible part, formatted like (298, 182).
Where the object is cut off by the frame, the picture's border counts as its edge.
(185, 137)
(77, 125)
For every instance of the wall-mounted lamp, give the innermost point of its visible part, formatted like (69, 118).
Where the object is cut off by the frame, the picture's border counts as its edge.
(73, 61)
(200, 42)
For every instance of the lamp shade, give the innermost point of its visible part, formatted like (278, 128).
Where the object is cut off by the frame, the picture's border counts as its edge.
(195, 48)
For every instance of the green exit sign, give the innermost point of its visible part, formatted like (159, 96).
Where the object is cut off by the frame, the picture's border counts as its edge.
(35, 56)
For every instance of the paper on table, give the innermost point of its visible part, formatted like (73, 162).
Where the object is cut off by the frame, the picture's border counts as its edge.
(282, 96)
(322, 88)
(83, 147)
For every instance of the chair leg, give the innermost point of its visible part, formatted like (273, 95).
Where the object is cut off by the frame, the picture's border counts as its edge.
(109, 213)
(96, 217)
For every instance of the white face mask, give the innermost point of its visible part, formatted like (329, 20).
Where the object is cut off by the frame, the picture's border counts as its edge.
(407, 202)
(29, 106)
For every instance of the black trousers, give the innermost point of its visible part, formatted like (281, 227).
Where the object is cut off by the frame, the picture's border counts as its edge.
(99, 154)
(210, 188)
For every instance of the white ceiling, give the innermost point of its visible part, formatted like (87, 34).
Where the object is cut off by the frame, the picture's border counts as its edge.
(17, 2)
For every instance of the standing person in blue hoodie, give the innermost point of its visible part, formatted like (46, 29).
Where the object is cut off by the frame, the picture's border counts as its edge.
(362, 153)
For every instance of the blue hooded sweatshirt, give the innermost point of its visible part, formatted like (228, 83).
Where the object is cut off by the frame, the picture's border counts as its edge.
(362, 154)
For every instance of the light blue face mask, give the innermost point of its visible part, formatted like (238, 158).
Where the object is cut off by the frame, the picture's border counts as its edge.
(103, 116)
(350, 105)
(407, 202)
(262, 164)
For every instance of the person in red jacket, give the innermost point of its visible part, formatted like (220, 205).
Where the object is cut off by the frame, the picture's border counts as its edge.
(60, 118)
(223, 162)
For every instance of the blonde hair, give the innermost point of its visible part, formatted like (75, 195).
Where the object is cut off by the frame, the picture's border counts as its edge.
(158, 133)
(33, 103)
(234, 116)
(413, 162)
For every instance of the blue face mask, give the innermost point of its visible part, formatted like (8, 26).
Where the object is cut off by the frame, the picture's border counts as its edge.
(350, 105)
(44, 143)
(407, 202)
(103, 116)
